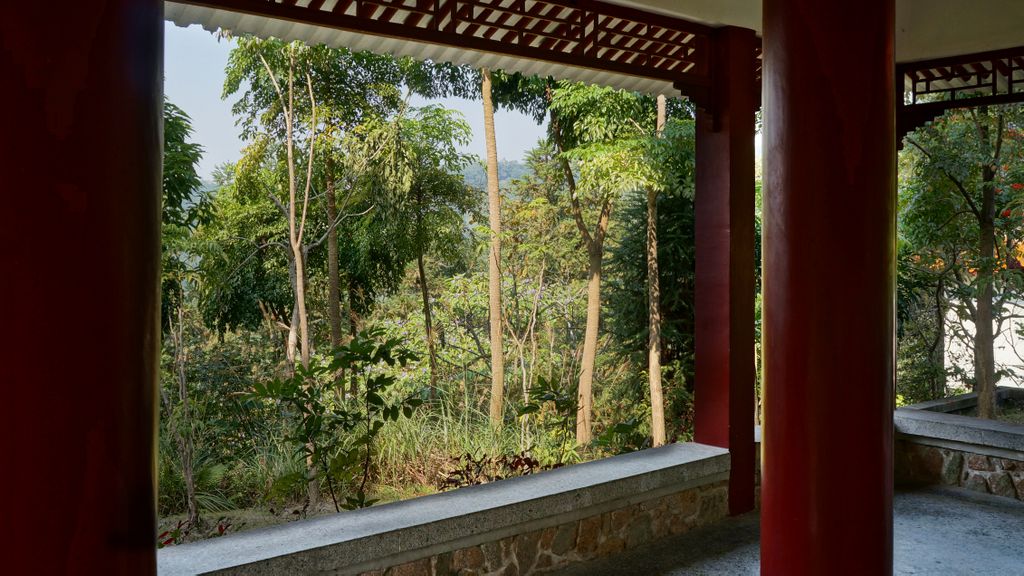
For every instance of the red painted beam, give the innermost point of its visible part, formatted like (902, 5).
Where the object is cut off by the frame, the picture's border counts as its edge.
(79, 249)
(724, 340)
(829, 287)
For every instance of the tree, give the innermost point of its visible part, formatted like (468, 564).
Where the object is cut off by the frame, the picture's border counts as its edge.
(958, 211)
(602, 133)
(526, 94)
(416, 168)
(271, 67)
(184, 208)
(654, 304)
(494, 254)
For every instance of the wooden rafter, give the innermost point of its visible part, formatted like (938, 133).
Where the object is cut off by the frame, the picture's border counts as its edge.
(585, 33)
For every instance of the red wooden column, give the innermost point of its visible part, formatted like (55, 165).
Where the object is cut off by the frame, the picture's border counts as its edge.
(829, 281)
(80, 156)
(724, 339)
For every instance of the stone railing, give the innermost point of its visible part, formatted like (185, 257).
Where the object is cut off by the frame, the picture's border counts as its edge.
(936, 446)
(519, 526)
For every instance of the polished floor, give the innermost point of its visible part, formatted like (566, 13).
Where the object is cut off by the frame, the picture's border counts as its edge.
(938, 532)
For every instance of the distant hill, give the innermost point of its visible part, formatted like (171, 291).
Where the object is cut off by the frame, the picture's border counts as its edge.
(508, 170)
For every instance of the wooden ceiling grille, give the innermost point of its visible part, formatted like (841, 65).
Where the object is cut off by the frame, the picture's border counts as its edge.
(584, 33)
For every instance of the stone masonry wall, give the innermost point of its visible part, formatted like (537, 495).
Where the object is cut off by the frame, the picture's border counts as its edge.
(920, 464)
(551, 548)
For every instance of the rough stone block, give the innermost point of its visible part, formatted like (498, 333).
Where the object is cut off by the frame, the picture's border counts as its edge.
(1011, 465)
(471, 558)
(980, 463)
(527, 550)
(929, 463)
(640, 531)
(976, 482)
(421, 567)
(713, 505)
(619, 519)
(443, 564)
(1000, 484)
(588, 536)
(951, 467)
(1018, 483)
(564, 538)
(685, 504)
(492, 555)
(510, 569)
(611, 544)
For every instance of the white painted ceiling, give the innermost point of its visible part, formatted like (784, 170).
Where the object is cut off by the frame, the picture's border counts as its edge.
(925, 29)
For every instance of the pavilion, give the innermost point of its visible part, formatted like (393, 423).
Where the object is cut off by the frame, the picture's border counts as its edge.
(838, 84)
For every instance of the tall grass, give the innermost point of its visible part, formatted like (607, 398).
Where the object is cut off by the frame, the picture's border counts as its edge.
(422, 448)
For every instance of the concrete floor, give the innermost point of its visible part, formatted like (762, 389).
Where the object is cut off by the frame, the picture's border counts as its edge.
(938, 532)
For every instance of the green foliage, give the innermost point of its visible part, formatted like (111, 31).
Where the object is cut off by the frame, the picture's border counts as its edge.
(627, 317)
(960, 175)
(398, 174)
(525, 94)
(182, 206)
(559, 419)
(243, 251)
(185, 206)
(338, 435)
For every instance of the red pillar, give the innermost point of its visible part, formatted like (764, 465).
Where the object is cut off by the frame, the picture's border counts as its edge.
(829, 279)
(80, 158)
(725, 376)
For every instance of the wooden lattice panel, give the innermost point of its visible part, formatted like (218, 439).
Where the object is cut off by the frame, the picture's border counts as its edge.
(934, 86)
(583, 33)
(987, 75)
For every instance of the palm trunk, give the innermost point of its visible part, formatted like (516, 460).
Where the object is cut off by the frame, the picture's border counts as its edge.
(654, 307)
(428, 325)
(494, 258)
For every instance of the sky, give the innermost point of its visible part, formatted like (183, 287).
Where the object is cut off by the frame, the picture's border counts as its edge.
(194, 61)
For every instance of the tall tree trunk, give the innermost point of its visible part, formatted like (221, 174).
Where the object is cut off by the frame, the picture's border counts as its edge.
(313, 488)
(939, 349)
(300, 304)
(295, 230)
(494, 258)
(428, 325)
(292, 343)
(585, 399)
(594, 244)
(984, 355)
(354, 324)
(333, 277)
(654, 306)
(181, 423)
